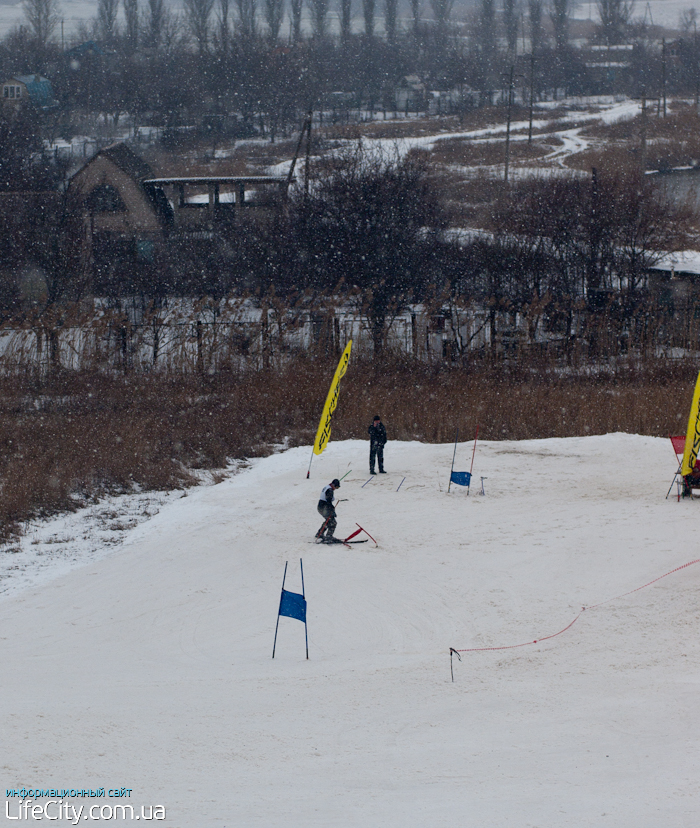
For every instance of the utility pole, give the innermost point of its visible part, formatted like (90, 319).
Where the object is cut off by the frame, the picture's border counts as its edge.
(697, 68)
(305, 127)
(593, 239)
(532, 96)
(510, 103)
(663, 74)
(307, 160)
(643, 130)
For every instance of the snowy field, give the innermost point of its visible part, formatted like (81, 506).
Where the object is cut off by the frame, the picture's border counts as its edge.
(149, 667)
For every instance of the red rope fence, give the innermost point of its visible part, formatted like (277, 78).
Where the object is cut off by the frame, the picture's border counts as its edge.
(583, 609)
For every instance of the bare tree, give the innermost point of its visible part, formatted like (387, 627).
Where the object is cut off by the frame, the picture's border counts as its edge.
(390, 13)
(274, 13)
(247, 13)
(688, 20)
(42, 17)
(416, 11)
(296, 19)
(614, 17)
(155, 21)
(560, 22)
(589, 248)
(442, 9)
(171, 31)
(345, 20)
(487, 32)
(534, 8)
(319, 11)
(131, 17)
(510, 21)
(107, 18)
(224, 33)
(368, 14)
(197, 13)
(365, 213)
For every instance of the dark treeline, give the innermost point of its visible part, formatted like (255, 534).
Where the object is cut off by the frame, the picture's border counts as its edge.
(241, 74)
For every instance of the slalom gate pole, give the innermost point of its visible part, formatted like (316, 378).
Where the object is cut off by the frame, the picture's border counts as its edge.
(400, 484)
(471, 468)
(284, 578)
(308, 472)
(367, 533)
(452, 468)
(672, 482)
(680, 468)
(303, 595)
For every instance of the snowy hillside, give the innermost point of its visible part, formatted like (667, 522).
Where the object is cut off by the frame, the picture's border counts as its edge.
(150, 668)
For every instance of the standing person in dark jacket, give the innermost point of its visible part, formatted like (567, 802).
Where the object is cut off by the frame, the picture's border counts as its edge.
(327, 511)
(377, 439)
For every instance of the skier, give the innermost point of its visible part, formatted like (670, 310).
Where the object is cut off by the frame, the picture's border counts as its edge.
(326, 510)
(377, 439)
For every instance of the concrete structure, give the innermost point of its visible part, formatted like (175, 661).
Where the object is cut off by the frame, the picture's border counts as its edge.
(200, 202)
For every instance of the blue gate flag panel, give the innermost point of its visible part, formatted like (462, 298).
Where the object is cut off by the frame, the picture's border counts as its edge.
(461, 478)
(293, 605)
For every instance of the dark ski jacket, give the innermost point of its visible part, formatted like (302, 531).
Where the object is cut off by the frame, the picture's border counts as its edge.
(377, 434)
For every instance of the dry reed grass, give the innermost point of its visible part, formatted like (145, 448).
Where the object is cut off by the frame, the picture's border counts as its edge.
(679, 124)
(673, 141)
(171, 165)
(78, 436)
(409, 128)
(487, 153)
(481, 118)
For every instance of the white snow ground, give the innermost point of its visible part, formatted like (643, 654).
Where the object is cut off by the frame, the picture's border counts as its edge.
(150, 669)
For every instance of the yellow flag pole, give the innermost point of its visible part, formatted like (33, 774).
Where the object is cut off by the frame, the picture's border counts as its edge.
(692, 435)
(323, 433)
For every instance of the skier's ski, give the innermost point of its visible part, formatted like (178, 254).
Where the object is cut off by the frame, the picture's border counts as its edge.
(337, 540)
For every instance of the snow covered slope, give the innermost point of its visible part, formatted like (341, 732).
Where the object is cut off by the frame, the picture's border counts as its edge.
(150, 669)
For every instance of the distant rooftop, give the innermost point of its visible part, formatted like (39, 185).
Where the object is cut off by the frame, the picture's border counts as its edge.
(218, 179)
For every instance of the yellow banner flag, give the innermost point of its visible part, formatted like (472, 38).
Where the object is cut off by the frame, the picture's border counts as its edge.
(692, 435)
(323, 435)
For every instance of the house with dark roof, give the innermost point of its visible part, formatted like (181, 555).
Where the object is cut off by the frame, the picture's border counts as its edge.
(33, 89)
(111, 191)
(90, 48)
(125, 220)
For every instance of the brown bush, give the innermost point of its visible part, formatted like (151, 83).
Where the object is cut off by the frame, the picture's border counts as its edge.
(77, 437)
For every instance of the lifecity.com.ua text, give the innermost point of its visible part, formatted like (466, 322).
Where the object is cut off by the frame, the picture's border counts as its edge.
(59, 809)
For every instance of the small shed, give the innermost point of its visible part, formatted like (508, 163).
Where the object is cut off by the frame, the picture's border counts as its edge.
(411, 94)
